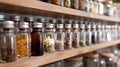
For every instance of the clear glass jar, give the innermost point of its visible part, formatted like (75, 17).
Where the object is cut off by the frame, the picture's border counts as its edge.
(91, 5)
(94, 34)
(73, 62)
(7, 47)
(37, 36)
(68, 35)
(75, 4)
(102, 62)
(87, 5)
(23, 41)
(49, 38)
(30, 21)
(95, 6)
(67, 3)
(109, 58)
(108, 33)
(16, 20)
(59, 64)
(103, 33)
(99, 34)
(60, 37)
(82, 35)
(91, 60)
(100, 7)
(88, 35)
(75, 34)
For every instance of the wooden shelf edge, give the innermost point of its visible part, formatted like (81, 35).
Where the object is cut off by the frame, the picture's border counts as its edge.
(37, 7)
(52, 57)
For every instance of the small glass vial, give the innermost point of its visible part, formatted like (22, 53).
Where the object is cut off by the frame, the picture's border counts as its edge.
(7, 47)
(75, 34)
(99, 34)
(102, 63)
(91, 6)
(23, 41)
(30, 21)
(67, 3)
(16, 20)
(73, 62)
(60, 36)
(94, 34)
(87, 5)
(49, 38)
(108, 33)
(37, 48)
(88, 35)
(82, 35)
(68, 35)
(81, 5)
(100, 7)
(75, 4)
(103, 33)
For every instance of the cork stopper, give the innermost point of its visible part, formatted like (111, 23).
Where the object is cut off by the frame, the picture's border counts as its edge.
(74, 59)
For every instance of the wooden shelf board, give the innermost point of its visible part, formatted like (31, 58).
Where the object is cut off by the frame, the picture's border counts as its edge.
(52, 57)
(35, 7)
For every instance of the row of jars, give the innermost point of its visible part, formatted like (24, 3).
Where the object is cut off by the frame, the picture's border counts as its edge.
(88, 60)
(93, 6)
(22, 39)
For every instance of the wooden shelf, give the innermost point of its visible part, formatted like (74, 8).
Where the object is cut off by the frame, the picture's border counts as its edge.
(34, 7)
(52, 57)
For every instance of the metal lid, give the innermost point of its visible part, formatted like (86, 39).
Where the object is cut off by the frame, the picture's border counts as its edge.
(37, 25)
(59, 25)
(52, 20)
(15, 18)
(88, 26)
(8, 24)
(75, 25)
(24, 25)
(82, 25)
(49, 25)
(98, 26)
(2, 17)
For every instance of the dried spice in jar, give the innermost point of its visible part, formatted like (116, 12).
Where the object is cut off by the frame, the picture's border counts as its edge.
(7, 43)
(67, 3)
(60, 36)
(82, 35)
(23, 41)
(68, 35)
(49, 38)
(75, 34)
(75, 4)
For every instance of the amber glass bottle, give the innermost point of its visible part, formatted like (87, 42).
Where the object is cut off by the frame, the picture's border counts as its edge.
(37, 39)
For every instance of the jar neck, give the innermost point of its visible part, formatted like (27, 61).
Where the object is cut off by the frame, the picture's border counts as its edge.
(23, 30)
(8, 30)
(37, 29)
(49, 29)
(59, 30)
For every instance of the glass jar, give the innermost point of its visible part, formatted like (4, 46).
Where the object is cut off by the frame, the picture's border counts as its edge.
(109, 58)
(73, 62)
(30, 21)
(91, 60)
(99, 34)
(68, 35)
(16, 20)
(59, 64)
(81, 4)
(95, 6)
(67, 3)
(86, 5)
(37, 39)
(108, 33)
(60, 36)
(103, 33)
(74, 4)
(102, 62)
(88, 35)
(100, 7)
(75, 34)
(82, 35)
(94, 34)
(23, 41)
(91, 6)
(49, 38)
(7, 47)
